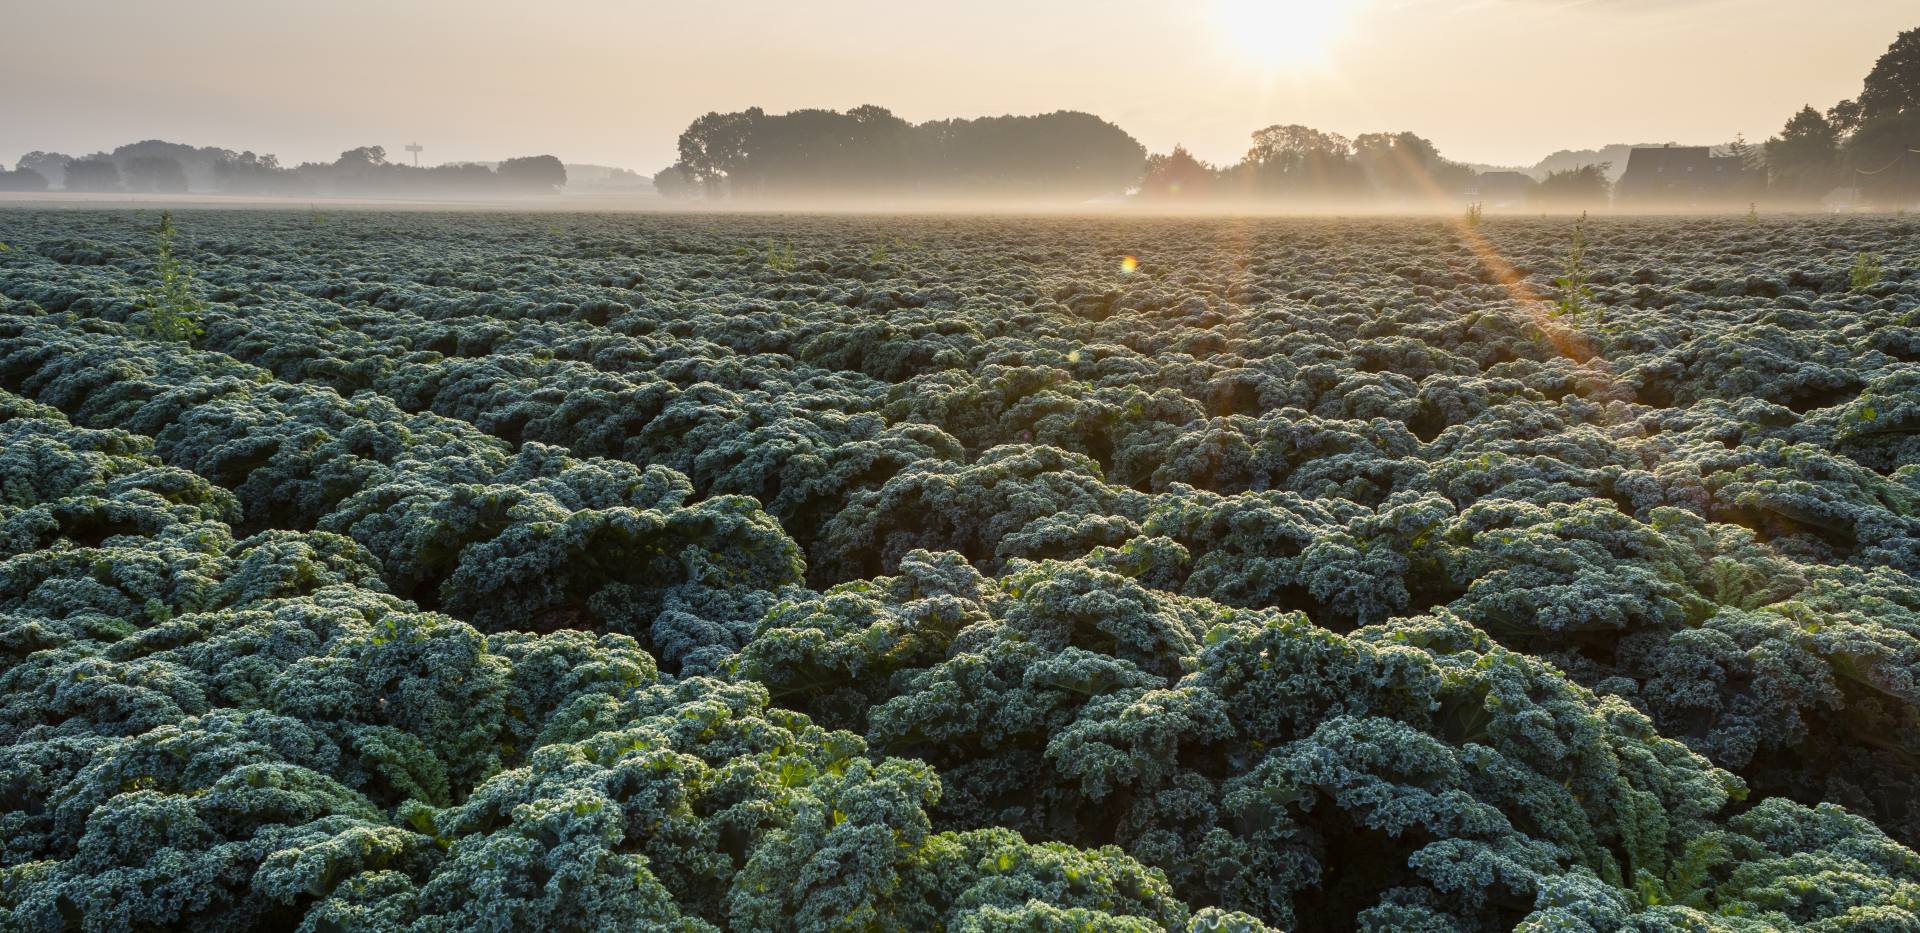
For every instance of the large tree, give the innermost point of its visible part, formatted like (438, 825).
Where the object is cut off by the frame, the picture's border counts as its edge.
(1882, 128)
(93, 173)
(1892, 88)
(1407, 167)
(867, 152)
(49, 165)
(673, 183)
(541, 174)
(1882, 157)
(716, 147)
(1586, 186)
(248, 173)
(25, 179)
(156, 174)
(362, 156)
(196, 164)
(1803, 160)
(1300, 163)
(1177, 175)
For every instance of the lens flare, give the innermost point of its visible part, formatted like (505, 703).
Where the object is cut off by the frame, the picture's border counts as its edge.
(1285, 33)
(1128, 264)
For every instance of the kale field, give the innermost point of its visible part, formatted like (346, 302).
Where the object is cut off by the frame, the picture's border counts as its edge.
(567, 572)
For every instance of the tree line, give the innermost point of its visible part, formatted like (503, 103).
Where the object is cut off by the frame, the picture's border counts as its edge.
(1301, 165)
(870, 152)
(867, 152)
(1870, 142)
(158, 167)
(1867, 147)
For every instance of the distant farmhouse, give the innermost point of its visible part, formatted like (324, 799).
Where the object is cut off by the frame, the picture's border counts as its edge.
(1682, 176)
(1499, 189)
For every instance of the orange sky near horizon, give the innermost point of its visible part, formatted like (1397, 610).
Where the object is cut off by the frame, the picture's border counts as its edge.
(602, 81)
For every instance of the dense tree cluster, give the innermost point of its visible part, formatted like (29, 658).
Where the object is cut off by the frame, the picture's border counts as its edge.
(1300, 166)
(159, 167)
(867, 152)
(1863, 150)
(1870, 142)
(493, 572)
(366, 171)
(22, 179)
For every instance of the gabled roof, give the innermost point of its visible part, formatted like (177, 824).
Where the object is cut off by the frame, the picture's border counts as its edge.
(1667, 159)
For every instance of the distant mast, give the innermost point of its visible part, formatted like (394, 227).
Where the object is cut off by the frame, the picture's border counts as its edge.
(415, 149)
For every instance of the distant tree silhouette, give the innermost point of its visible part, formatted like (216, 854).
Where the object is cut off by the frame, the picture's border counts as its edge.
(1753, 162)
(49, 165)
(1882, 161)
(869, 152)
(1177, 175)
(454, 179)
(1065, 154)
(362, 170)
(155, 174)
(541, 174)
(1586, 186)
(1298, 163)
(1892, 88)
(1882, 128)
(247, 173)
(363, 157)
(195, 164)
(23, 179)
(159, 166)
(819, 152)
(1866, 142)
(1749, 155)
(716, 147)
(674, 182)
(1407, 168)
(1803, 161)
(365, 171)
(93, 173)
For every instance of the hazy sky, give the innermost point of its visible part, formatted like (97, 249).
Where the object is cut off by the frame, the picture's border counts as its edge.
(615, 82)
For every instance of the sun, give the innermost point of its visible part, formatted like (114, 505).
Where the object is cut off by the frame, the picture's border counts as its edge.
(1284, 34)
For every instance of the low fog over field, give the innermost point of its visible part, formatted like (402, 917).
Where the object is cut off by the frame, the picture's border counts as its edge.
(1222, 105)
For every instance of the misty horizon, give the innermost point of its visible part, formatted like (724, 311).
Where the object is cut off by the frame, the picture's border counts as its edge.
(1488, 81)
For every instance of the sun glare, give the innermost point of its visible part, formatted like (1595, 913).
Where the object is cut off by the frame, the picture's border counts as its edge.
(1284, 33)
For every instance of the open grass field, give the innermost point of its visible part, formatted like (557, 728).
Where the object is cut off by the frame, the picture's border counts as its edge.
(493, 571)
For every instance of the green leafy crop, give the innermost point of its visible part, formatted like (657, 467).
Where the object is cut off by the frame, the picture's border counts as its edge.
(453, 575)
